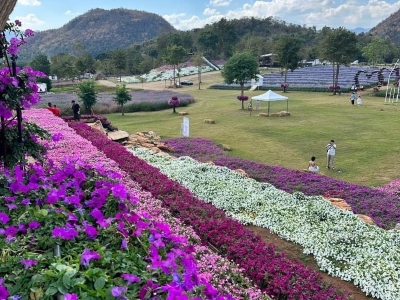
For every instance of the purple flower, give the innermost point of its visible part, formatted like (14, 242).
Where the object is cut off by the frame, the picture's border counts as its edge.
(11, 231)
(130, 278)
(33, 225)
(64, 233)
(18, 23)
(57, 137)
(28, 263)
(4, 218)
(70, 297)
(118, 291)
(25, 202)
(11, 206)
(3, 292)
(90, 231)
(87, 256)
(124, 244)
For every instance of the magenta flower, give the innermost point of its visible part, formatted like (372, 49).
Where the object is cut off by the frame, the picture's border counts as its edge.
(130, 278)
(4, 218)
(11, 231)
(90, 231)
(28, 263)
(3, 292)
(64, 233)
(33, 225)
(87, 256)
(70, 297)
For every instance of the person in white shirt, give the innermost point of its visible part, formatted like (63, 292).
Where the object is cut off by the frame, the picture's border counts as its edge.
(330, 154)
(312, 165)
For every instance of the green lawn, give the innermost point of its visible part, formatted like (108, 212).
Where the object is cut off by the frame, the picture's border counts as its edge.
(366, 137)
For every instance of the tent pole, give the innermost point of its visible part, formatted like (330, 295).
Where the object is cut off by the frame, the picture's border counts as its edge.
(268, 107)
(287, 105)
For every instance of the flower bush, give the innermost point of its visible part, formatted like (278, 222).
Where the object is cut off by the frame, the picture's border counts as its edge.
(18, 90)
(222, 274)
(331, 87)
(174, 102)
(381, 206)
(286, 278)
(342, 244)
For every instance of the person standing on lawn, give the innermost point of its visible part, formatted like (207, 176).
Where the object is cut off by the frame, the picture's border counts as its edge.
(330, 154)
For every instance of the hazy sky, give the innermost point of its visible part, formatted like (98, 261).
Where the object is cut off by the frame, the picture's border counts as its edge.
(184, 14)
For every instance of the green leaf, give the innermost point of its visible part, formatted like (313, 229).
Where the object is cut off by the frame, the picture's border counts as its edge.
(66, 280)
(99, 283)
(51, 291)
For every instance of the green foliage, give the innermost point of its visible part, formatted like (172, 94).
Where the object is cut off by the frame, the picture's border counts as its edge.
(16, 151)
(41, 63)
(63, 65)
(87, 94)
(340, 47)
(287, 48)
(122, 96)
(376, 50)
(47, 81)
(240, 68)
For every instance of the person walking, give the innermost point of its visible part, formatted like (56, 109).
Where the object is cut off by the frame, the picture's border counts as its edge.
(352, 98)
(76, 109)
(359, 100)
(330, 154)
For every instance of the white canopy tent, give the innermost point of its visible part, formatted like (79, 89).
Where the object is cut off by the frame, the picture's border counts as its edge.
(271, 96)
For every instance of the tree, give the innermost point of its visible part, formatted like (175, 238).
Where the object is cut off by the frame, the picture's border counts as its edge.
(287, 49)
(376, 50)
(175, 54)
(85, 63)
(199, 62)
(241, 67)
(87, 94)
(122, 96)
(63, 65)
(340, 47)
(119, 61)
(41, 63)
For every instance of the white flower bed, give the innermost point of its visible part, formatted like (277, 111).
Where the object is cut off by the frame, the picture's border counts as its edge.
(343, 245)
(155, 75)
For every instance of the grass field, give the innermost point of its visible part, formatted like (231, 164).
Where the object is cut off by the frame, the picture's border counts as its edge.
(366, 136)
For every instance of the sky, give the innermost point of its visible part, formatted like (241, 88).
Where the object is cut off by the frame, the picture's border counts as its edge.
(189, 14)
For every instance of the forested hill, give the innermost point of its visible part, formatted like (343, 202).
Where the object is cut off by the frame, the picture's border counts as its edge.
(98, 31)
(389, 28)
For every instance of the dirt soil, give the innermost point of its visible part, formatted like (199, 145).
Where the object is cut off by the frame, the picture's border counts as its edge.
(295, 252)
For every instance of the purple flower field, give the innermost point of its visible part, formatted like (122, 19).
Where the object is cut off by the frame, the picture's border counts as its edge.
(105, 103)
(378, 204)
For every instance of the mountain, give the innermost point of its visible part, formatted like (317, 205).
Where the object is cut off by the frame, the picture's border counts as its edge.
(97, 31)
(360, 30)
(388, 28)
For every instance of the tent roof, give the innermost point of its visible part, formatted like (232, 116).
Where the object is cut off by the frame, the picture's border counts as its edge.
(269, 96)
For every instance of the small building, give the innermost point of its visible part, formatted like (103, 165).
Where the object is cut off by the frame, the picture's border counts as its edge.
(268, 60)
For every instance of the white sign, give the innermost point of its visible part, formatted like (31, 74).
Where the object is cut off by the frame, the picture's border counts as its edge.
(185, 127)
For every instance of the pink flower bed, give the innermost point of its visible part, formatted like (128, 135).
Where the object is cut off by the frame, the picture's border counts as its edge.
(69, 144)
(275, 274)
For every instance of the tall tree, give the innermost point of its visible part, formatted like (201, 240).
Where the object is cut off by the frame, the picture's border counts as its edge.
(119, 60)
(122, 96)
(287, 49)
(85, 63)
(63, 65)
(376, 50)
(340, 47)
(175, 55)
(41, 63)
(198, 62)
(240, 68)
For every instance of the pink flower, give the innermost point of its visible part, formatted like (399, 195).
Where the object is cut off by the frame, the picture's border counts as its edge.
(70, 297)
(4, 218)
(130, 278)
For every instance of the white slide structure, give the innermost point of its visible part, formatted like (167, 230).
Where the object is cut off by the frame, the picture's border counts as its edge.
(215, 67)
